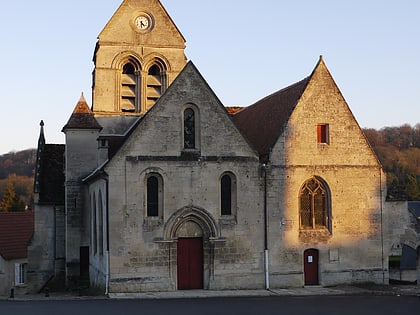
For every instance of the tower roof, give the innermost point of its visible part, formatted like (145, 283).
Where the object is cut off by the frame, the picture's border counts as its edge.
(82, 117)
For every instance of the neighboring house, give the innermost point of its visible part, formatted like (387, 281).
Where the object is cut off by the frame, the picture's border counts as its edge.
(166, 189)
(16, 230)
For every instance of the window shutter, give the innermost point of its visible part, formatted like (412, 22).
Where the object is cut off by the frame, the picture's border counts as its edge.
(17, 274)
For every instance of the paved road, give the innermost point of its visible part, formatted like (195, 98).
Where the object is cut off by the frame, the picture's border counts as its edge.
(287, 305)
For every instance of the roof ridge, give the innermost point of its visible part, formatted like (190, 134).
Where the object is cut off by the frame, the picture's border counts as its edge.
(279, 91)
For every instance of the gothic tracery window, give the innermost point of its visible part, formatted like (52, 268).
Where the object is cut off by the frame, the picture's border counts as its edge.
(314, 205)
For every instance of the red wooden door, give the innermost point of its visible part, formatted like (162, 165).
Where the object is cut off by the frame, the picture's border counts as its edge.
(190, 263)
(310, 265)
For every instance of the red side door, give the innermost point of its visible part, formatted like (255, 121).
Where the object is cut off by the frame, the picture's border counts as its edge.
(190, 263)
(310, 266)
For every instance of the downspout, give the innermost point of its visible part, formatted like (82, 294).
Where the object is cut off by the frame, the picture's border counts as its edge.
(382, 230)
(264, 168)
(107, 240)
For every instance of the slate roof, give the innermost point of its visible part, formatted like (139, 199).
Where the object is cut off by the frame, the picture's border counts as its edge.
(50, 174)
(414, 208)
(82, 117)
(49, 171)
(16, 230)
(263, 122)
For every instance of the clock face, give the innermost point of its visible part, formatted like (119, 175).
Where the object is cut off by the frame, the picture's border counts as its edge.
(142, 22)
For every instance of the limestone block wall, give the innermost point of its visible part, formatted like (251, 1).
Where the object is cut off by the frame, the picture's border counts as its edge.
(81, 159)
(351, 249)
(143, 252)
(120, 40)
(42, 250)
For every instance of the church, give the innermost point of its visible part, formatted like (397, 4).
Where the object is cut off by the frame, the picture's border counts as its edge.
(164, 188)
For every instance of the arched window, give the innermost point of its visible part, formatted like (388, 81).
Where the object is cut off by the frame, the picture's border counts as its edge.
(314, 205)
(227, 194)
(189, 129)
(101, 226)
(129, 91)
(154, 195)
(94, 227)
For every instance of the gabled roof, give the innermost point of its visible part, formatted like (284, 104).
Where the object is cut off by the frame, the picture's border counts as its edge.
(16, 230)
(82, 117)
(263, 122)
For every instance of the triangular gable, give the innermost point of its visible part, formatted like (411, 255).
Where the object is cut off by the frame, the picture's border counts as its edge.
(324, 84)
(120, 28)
(160, 129)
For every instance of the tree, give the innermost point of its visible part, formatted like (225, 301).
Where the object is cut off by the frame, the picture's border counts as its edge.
(10, 201)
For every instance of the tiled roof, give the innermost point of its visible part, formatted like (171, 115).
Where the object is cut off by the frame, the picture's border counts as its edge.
(82, 117)
(263, 122)
(16, 230)
(234, 109)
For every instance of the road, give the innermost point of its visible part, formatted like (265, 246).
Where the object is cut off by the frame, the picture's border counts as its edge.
(287, 305)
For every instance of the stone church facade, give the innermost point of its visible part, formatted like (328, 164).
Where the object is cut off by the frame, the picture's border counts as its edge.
(167, 189)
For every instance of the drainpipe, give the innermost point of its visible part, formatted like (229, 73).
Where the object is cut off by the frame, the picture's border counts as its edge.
(264, 168)
(107, 240)
(382, 230)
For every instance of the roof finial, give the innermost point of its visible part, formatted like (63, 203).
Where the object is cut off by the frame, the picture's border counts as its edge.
(41, 139)
(82, 98)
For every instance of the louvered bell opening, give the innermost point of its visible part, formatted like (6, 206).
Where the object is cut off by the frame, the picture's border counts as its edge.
(128, 91)
(153, 92)
(128, 79)
(128, 104)
(149, 103)
(153, 80)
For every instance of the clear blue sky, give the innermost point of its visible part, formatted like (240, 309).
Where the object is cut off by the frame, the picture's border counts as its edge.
(244, 49)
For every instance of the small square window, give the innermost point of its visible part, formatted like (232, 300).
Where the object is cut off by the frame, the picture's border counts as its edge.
(323, 134)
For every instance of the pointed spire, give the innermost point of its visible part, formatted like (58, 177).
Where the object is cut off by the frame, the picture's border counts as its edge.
(82, 106)
(40, 150)
(82, 117)
(41, 139)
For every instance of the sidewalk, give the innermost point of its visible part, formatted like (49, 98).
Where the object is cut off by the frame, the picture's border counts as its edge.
(398, 290)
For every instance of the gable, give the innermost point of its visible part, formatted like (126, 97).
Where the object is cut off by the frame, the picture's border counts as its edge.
(160, 131)
(323, 104)
(122, 27)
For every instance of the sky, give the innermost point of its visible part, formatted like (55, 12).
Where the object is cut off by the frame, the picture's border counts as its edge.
(244, 49)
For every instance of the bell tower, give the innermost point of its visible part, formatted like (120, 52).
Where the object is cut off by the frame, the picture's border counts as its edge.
(138, 55)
